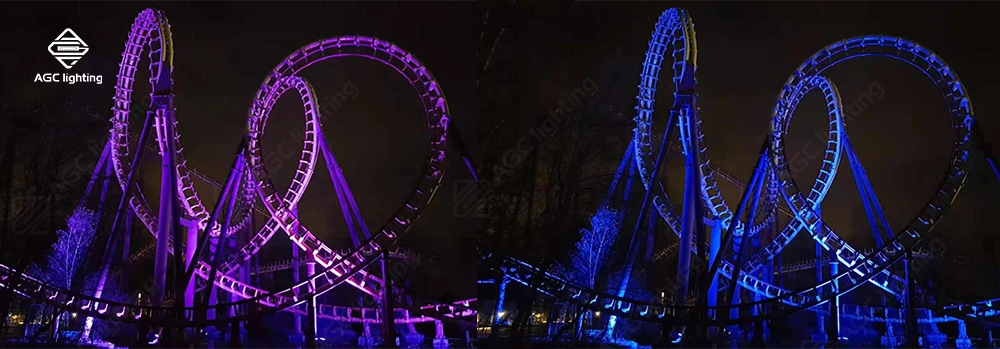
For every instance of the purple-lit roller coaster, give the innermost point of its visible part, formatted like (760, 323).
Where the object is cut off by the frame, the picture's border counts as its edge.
(727, 255)
(181, 207)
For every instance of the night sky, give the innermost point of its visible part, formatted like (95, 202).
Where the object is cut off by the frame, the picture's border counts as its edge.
(746, 51)
(222, 53)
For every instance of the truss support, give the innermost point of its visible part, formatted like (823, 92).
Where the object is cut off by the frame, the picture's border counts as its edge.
(729, 233)
(348, 205)
(110, 248)
(873, 209)
(630, 258)
(223, 241)
(231, 188)
(754, 190)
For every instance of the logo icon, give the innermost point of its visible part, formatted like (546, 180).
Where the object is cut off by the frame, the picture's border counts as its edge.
(33, 215)
(68, 48)
(467, 195)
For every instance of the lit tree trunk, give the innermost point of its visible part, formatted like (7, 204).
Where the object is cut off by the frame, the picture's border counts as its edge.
(579, 323)
(55, 324)
(501, 293)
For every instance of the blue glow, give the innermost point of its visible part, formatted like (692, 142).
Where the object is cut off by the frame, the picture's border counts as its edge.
(806, 216)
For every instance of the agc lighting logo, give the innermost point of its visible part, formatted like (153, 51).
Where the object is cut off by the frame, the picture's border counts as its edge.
(68, 48)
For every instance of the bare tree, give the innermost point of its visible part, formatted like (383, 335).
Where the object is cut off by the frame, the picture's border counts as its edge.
(593, 250)
(67, 259)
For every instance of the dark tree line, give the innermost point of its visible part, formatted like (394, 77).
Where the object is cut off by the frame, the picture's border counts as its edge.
(543, 177)
(48, 149)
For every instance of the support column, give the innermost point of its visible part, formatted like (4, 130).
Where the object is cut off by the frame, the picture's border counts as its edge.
(366, 340)
(833, 330)
(776, 262)
(767, 273)
(758, 326)
(912, 335)
(963, 340)
(690, 207)
(297, 337)
(388, 320)
(820, 319)
(297, 323)
(440, 341)
(310, 331)
(820, 336)
(412, 337)
(234, 327)
(212, 332)
(162, 108)
(933, 338)
(735, 332)
(189, 250)
(758, 334)
(889, 338)
(163, 234)
(127, 237)
(715, 244)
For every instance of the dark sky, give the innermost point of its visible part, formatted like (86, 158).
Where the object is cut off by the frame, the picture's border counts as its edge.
(222, 53)
(746, 51)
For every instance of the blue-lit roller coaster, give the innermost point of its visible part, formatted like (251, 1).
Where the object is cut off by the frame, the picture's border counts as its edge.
(727, 254)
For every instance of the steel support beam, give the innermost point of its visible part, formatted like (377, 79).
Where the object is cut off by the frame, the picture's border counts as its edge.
(388, 321)
(912, 333)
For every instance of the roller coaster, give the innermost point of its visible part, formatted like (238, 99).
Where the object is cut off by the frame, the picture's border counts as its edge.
(206, 258)
(690, 319)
